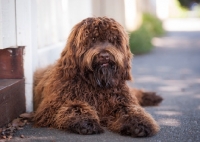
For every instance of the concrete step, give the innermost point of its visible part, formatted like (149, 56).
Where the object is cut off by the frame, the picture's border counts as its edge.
(12, 99)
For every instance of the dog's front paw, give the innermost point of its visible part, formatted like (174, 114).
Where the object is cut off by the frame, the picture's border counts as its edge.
(139, 127)
(138, 123)
(136, 130)
(86, 127)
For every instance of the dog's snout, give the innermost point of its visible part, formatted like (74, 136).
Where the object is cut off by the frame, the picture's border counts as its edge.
(104, 55)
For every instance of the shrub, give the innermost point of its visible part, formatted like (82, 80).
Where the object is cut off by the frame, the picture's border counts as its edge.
(153, 24)
(140, 40)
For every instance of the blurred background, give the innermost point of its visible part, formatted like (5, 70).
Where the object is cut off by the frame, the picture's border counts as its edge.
(143, 18)
(42, 26)
(164, 38)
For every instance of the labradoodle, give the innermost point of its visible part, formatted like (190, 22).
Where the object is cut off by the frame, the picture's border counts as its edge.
(86, 89)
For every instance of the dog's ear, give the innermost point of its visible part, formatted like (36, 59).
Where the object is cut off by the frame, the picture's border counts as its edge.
(68, 62)
(127, 65)
(124, 44)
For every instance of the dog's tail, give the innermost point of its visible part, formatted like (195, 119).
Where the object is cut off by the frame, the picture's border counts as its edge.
(146, 98)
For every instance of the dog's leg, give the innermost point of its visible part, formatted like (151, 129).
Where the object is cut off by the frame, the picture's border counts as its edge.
(146, 98)
(45, 113)
(133, 121)
(129, 118)
(78, 117)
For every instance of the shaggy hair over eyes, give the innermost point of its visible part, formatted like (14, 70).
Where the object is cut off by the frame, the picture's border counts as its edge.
(86, 88)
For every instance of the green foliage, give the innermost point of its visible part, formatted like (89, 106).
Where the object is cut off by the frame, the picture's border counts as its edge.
(198, 11)
(153, 24)
(140, 40)
(182, 12)
(187, 3)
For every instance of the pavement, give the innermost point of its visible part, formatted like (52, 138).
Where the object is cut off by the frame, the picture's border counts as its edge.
(172, 69)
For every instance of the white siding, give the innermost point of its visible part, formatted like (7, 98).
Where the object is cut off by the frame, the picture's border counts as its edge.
(7, 24)
(56, 18)
(27, 36)
(54, 22)
(110, 8)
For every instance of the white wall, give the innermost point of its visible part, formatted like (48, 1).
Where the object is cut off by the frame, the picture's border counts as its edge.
(131, 14)
(27, 36)
(7, 24)
(55, 21)
(110, 8)
(162, 9)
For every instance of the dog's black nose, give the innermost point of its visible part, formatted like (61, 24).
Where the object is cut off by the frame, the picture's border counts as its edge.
(104, 56)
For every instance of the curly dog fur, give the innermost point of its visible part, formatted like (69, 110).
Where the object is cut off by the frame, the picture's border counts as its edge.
(86, 88)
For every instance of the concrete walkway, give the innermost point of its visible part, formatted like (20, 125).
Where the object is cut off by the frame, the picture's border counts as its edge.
(173, 70)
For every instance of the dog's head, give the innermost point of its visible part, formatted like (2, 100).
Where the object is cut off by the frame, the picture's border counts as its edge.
(98, 51)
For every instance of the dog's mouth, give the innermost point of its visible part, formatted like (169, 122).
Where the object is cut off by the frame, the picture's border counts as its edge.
(104, 64)
(104, 72)
(102, 67)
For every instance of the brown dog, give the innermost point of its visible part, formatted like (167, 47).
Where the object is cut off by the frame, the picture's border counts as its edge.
(86, 88)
